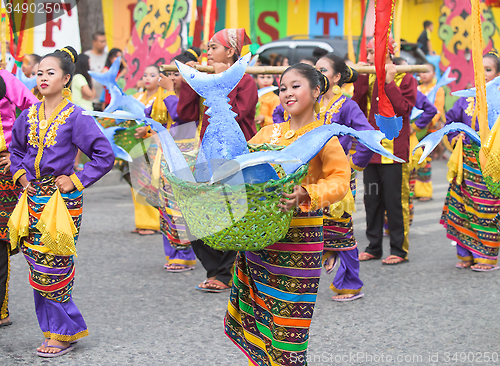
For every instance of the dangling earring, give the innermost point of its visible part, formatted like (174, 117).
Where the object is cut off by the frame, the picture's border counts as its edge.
(286, 117)
(66, 93)
(317, 107)
(336, 90)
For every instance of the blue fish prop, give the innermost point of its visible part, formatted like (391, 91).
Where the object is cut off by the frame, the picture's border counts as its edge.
(173, 156)
(303, 150)
(108, 78)
(432, 140)
(445, 80)
(30, 83)
(267, 89)
(390, 126)
(121, 101)
(492, 98)
(119, 152)
(223, 139)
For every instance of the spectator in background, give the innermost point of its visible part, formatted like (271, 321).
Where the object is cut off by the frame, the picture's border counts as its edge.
(29, 61)
(309, 60)
(278, 60)
(267, 102)
(424, 40)
(112, 56)
(81, 87)
(319, 52)
(97, 56)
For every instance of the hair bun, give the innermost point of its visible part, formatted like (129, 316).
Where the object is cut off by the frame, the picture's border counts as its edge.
(325, 83)
(193, 53)
(70, 52)
(352, 75)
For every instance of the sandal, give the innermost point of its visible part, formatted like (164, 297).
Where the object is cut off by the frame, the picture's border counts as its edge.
(464, 264)
(393, 260)
(176, 268)
(351, 298)
(216, 286)
(63, 350)
(328, 259)
(364, 256)
(144, 232)
(202, 286)
(489, 268)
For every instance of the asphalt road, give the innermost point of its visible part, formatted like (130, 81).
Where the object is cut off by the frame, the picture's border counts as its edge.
(423, 312)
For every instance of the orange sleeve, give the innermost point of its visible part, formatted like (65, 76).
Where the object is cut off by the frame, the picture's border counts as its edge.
(439, 104)
(268, 103)
(334, 172)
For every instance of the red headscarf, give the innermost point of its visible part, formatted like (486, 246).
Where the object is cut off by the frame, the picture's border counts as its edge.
(392, 44)
(232, 38)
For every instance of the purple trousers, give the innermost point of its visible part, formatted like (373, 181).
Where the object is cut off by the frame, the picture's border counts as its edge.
(61, 321)
(347, 279)
(183, 257)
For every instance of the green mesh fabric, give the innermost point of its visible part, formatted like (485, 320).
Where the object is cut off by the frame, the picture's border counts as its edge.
(217, 213)
(493, 187)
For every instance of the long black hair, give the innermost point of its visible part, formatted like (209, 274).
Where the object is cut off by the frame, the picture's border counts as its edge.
(67, 57)
(347, 74)
(314, 77)
(82, 67)
(112, 54)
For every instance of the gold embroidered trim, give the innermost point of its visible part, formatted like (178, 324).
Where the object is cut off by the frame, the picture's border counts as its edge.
(18, 175)
(345, 291)
(284, 128)
(355, 167)
(47, 129)
(66, 338)
(276, 135)
(4, 311)
(3, 143)
(77, 182)
(470, 108)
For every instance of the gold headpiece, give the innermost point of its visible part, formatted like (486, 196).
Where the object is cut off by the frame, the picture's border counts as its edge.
(64, 49)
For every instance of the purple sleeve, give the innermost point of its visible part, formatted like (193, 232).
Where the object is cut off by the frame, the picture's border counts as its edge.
(456, 114)
(278, 114)
(429, 109)
(19, 144)
(358, 121)
(148, 111)
(92, 142)
(171, 103)
(17, 92)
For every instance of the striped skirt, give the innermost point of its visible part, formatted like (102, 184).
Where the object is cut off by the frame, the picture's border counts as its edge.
(273, 295)
(50, 275)
(470, 214)
(9, 193)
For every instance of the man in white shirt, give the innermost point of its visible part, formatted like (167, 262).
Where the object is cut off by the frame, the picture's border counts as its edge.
(97, 56)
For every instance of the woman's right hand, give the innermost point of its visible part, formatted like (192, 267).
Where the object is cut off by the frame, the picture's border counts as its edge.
(27, 185)
(140, 132)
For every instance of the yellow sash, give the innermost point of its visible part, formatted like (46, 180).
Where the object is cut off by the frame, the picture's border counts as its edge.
(455, 164)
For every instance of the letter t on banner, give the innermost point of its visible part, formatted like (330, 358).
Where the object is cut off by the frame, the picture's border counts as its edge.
(386, 120)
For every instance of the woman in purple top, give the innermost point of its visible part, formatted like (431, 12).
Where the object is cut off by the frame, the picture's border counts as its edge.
(338, 233)
(45, 141)
(13, 94)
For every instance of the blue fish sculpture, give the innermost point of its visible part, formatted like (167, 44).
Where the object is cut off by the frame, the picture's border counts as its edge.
(492, 98)
(30, 83)
(108, 78)
(119, 152)
(432, 140)
(225, 143)
(445, 80)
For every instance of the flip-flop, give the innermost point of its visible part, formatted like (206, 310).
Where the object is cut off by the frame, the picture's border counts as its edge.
(367, 255)
(217, 290)
(492, 268)
(178, 270)
(335, 262)
(5, 324)
(400, 260)
(204, 289)
(463, 267)
(142, 232)
(357, 296)
(63, 350)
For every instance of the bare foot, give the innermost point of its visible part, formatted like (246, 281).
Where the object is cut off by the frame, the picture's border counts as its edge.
(484, 267)
(6, 320)
(204, 284)
(43, 346)
(146, 232)
(53, 342)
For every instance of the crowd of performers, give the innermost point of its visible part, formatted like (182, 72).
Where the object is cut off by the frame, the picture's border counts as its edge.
(272, 292)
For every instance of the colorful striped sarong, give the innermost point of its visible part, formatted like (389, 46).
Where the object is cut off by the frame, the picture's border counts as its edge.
(471, 212)
(273, 295)
(9, 193)
(50, 275)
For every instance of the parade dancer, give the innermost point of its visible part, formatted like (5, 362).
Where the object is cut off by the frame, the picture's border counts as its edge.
(274, 290)
(46, 221)
(340, 244)
(470, 208)
(224, 49)
(13, 94)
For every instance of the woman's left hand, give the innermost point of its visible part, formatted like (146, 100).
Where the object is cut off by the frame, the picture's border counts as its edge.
(140, 132)
(65, 184)
(298, 197)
